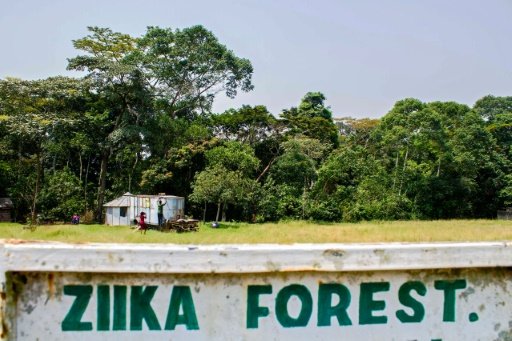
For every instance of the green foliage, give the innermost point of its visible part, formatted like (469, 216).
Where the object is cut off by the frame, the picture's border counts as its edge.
(249, 125)
(154, 176)
(373, 201)
(278, 201)
(444, 159)
(219, 185)
(233, 156)
(108, 59)
(328, 209)
(61, 196)
(312, 118)
(489, 107)
(140, 121)
(497, 113)
(506, 191)
(188, 67)
(38, 117)
(141, 81)
(356, 131)
(353, 186)
(226, 180)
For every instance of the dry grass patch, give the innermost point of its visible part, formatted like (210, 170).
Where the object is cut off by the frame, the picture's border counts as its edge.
(281, 233)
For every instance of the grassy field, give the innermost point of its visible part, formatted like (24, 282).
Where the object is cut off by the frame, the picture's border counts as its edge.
(282, 233)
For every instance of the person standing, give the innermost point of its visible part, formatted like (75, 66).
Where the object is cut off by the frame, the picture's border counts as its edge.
(161, 204)
(142, 222)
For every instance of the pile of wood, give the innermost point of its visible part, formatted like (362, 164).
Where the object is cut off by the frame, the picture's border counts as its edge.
(181, 225)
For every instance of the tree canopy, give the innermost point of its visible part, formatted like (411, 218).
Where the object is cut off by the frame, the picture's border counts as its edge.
(140, 120)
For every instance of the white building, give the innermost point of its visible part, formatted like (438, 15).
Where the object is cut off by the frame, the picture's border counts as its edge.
(123, 210)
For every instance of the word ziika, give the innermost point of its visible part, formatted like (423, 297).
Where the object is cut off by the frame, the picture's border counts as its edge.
(120, 307)
(140, 308)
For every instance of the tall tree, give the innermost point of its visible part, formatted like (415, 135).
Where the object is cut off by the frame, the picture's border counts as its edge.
(497, 114)
(168, 72)
(33, 114)
(109, 62)
(228, 178)
(186, 68)
(313, 119)
(441, 158)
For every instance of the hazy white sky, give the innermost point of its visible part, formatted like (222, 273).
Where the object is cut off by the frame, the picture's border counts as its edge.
(364, 55)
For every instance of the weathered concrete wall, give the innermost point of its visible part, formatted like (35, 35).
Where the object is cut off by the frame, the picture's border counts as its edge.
(262, 292)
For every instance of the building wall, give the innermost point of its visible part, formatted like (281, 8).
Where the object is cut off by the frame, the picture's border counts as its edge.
(108, 216)
(5, 215)
(124, 221)
(174, 207)
(113, 217)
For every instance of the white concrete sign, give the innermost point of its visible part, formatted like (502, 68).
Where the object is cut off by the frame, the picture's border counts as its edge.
(299, 292)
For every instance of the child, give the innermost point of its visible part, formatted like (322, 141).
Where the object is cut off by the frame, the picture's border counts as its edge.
(142, 222)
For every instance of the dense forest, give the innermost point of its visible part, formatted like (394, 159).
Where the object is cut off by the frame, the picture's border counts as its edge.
(139, 120)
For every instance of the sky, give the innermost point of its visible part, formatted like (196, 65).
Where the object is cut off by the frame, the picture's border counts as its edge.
(363, 55)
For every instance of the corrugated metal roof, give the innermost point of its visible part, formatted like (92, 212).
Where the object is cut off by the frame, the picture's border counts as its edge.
(154, 196)
(119, 202)
(124, 201)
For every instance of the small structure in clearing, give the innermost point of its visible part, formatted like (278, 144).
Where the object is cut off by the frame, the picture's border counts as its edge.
(5, 209)
(505, 214)
(125, 209)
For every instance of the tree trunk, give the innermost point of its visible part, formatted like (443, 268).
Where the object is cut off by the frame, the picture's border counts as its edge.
(266, 169)
(218, 212)
(101, 187)
(396, 170)
(204, 213)
(18, 177)
(130, 176)
(37, 186)
(103, 173)
(304, 201)
(85, 183)
(403, 171)
(224, 212)
(405, 158)
(81, 165)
